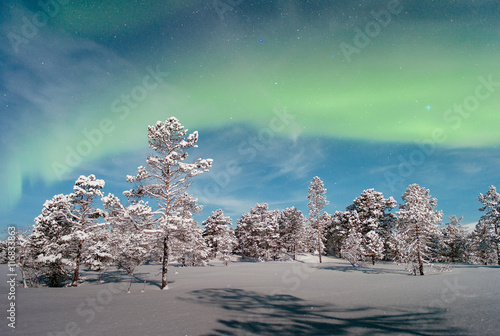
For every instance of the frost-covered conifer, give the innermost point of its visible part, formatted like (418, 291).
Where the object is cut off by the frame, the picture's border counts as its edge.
(482, 244)
(317, 201)
(188, 243)
(352, 244)
(352, 249)
(84, 216)
(51, 241)
(315, 234)
(219, 236)
(291, 224)
(491, 218)
(167, 176)
(453, 242)
(258, 233)
(130, 240)
(336, 233)
(417, 225)
(23, 257)
(61, 232)
(98, 251)
(375, 222)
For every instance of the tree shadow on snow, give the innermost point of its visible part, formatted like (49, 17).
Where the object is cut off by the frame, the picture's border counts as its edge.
(121, 277)
(252, 313)
(362, 268)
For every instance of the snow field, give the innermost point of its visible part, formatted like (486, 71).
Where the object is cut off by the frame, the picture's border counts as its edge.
(267, 298)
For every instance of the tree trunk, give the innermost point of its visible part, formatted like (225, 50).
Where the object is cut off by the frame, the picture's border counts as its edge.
(373, 260)
(420, 263)
(164, 265)
(497, 244)
(319, 242)
(23, 276)
(130, 282)
(76, 273)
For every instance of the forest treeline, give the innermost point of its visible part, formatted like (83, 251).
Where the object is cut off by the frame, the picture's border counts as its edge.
(87, 228)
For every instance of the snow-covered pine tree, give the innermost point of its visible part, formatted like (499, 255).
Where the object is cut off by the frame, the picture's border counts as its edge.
(375, 222)
(3, 251)
(417, 225)
(51, 242)
(315, 234)
(130, 241)
(188, 243)
(166, 176)
(352, 249)
(97, 255)
(258, 233)
(84, 215)
(352, 244)
(336, 233)
(481, 244)
(219, 236)
(453, 242)
(372, 246)
(317, 201)
(24, 259)
(291, 225)
(491, 217)
(225, 245)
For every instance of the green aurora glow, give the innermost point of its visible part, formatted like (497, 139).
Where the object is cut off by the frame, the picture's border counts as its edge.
(397, 89)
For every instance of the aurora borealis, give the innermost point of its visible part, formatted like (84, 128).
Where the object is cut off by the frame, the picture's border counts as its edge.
(364, 94)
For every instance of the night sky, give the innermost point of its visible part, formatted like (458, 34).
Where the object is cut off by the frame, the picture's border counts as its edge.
(364, 94)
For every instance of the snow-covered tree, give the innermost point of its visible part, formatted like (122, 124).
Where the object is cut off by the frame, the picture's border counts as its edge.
(375, 222)
(453, 242)
(491, 217)
(481, 245)
(84, 215)
(130, 241)
(61, 232)
(98, 251)
(258, 233)
(315, 234)
(352, 249)
(219, 236)
(317, 201)
(188, 243)
(373, 246)
(52, 245)
(417, 225)
(166, 177)
(336, 232)
(16, 249)
(3, 252)
(291, 225)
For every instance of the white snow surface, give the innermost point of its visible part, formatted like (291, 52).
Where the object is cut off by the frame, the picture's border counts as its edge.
(265, 298)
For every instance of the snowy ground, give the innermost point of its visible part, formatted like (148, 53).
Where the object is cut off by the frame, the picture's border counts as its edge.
(272, 298)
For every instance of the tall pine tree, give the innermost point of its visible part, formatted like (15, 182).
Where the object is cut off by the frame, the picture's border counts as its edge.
(491, 218)
(317, 201)
(417, 224)
(166, 177)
